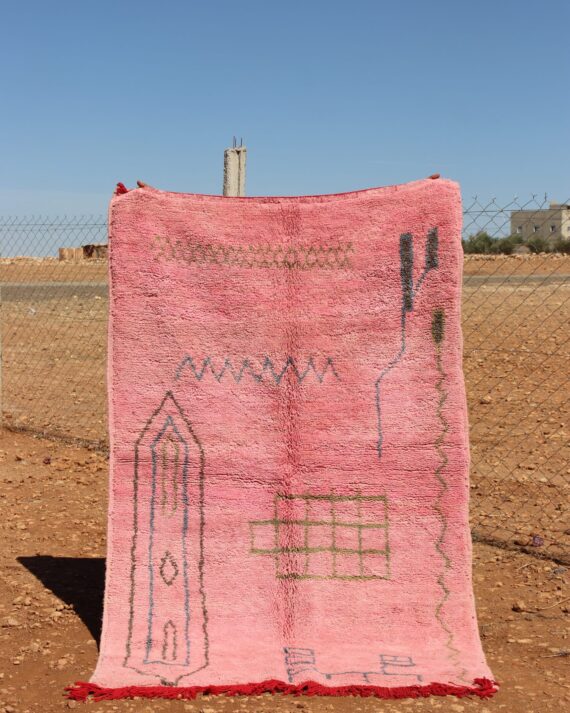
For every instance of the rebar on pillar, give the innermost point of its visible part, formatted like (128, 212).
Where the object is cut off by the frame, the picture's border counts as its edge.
(234, 171)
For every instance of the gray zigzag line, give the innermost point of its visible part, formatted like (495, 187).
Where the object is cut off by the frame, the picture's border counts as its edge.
(247, 367)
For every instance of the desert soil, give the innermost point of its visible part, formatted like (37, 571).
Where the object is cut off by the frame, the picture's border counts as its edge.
(516, 312)
(52, 548)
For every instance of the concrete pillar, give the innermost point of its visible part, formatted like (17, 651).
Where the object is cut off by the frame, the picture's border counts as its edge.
(234, 171)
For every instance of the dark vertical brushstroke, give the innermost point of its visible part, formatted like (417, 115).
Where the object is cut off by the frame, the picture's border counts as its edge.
(409, 291)
(432, 246)
(407, 270)
(438, 326)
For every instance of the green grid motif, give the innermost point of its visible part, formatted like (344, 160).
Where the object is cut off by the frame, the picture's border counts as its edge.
(326, 537)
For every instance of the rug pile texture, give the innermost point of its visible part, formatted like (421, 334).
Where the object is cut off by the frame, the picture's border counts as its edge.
(289, 448)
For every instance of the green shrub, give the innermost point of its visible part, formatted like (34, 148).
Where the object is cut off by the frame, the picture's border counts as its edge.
(483, 244)
(561, 246)
(538, 245)
(478, 244)
(506, 246)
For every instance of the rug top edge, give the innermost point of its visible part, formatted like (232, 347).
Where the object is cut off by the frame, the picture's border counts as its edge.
(309, 198)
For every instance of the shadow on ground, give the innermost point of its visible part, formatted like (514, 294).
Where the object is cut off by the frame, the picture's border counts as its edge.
(78, 581)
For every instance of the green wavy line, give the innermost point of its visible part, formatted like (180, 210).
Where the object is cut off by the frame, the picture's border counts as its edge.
(454, 653)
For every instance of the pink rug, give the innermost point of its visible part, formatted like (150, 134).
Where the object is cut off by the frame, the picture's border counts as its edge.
(289, 448)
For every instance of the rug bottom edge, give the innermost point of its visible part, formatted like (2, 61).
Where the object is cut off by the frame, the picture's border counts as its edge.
(481, 687)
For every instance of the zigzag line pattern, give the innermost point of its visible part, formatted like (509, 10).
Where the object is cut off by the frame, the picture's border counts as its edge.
(438, 329)
(333, 257)
(267, 369)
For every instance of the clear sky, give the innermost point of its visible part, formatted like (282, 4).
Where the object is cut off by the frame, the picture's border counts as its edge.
(328, 95)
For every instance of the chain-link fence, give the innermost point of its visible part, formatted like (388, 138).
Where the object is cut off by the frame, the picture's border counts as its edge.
(515, 319)
(516, 312)
(53, 327)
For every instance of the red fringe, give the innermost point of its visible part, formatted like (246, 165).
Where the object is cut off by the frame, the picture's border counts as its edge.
(81, 691)
(120, 189)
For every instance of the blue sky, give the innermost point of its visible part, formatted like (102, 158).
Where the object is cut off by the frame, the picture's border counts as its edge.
(329, 96)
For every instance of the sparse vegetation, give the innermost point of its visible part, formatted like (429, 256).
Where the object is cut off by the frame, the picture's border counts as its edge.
(484, 244)
(562, 246)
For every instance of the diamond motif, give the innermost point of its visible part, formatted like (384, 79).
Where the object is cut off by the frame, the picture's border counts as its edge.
(168, 568)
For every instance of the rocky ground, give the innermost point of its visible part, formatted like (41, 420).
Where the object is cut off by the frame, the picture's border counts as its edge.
(516, 311)
(52, 549)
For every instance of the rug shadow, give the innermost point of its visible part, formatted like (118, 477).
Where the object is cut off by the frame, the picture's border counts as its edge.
(79, 581)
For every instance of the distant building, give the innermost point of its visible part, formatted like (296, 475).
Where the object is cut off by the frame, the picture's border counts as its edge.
(93, 251)
(551, 224)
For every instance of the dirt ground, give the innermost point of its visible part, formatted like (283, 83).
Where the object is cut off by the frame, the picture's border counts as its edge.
(52, 549)
(516, 312)
(53, 496)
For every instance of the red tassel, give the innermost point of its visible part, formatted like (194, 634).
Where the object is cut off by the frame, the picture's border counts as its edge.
(81, 691)
(120, 189)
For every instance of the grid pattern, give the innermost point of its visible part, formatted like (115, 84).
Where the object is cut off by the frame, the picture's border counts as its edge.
(516, 310)
(326, 537)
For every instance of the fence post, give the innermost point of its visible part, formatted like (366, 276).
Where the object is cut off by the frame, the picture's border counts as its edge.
(234, 170)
